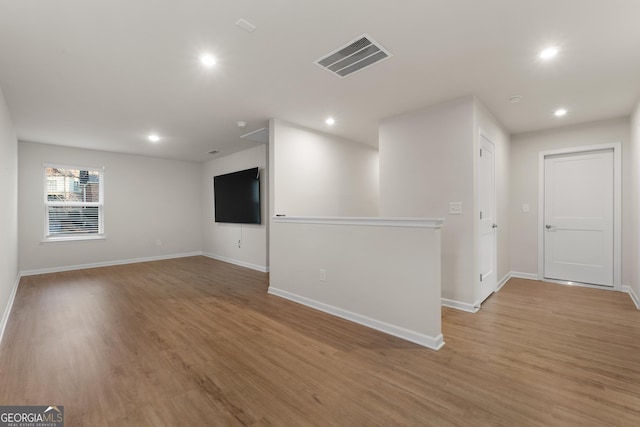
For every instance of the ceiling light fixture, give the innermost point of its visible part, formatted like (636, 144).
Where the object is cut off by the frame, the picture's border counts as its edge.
(514, 99)
(207, 60)
(330, 121)
(560, 112)
(549, 52)
(153, 138)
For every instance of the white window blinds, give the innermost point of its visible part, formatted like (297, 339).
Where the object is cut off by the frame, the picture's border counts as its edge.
(74, 202)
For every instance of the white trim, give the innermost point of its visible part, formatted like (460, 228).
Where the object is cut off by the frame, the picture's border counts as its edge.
(106, 263)
(503, 281)
(434, 343)
(78, 238)
(462, 306)
(617, 206)
(76, 167)
(520, 275)
(260, 268)
(370, 221)
(7, 310)
(633, 295)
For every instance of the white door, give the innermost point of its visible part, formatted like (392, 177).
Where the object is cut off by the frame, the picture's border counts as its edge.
(578, 217)
(488, 223)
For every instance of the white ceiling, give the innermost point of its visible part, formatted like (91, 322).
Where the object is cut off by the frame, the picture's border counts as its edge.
(104, 74)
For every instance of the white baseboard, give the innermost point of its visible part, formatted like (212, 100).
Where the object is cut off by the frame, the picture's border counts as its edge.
(519, 275)
(106, 264)
(463, 306)
(503, 281)
(633, 295)
(260, 268)
(434, 343)
(7, 310)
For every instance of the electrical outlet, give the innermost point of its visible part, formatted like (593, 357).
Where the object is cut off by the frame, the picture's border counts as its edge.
(525, 208)
(158, 242)
(323, 275)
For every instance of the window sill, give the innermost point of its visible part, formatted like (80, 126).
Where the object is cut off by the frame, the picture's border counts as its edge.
(73, 238)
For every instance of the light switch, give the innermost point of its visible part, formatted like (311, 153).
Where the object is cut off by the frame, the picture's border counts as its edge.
(525, 208)
(455, 208)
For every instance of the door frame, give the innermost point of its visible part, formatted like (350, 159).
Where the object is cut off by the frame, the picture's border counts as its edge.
(617, 210)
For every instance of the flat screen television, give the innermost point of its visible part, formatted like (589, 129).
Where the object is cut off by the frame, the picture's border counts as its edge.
(237, 197)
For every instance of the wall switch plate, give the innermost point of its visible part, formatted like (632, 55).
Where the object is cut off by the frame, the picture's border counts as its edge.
(323, 275)
(455, 208)
(525, 208)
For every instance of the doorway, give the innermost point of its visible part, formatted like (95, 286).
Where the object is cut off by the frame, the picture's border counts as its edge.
(579, 216)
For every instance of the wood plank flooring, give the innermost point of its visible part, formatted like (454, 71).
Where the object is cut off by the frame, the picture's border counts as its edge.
(195, 341)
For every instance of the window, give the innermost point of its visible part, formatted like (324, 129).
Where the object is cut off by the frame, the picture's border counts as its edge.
(74, 202)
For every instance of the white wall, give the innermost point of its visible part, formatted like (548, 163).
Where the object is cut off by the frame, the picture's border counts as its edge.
(633, 279)
(8, 212)
(221, 240)
(525, 149)
(486, 122)
(318, 174)
(427, 161)
(385, 277)
(146, 199)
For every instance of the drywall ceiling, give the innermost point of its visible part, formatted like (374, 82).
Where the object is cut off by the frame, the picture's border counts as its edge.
(105, 74)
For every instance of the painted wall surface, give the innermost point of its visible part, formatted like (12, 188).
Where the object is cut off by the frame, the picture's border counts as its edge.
(486, 122)
(221, 239)
(525, 149)
(146, 199)
(426, 161)
(318, 174)
(633, 279)
(9, 212)
(384, 277)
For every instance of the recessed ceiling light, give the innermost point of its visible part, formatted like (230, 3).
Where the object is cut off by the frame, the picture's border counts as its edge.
(153, 138)
(549, 52)
(560, 112)
(330, 121)
(207, 60)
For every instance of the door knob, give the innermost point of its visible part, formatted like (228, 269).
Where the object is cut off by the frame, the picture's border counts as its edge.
(548, 226)
(494, 226)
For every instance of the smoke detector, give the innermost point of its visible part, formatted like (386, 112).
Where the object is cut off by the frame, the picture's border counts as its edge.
(356, 55)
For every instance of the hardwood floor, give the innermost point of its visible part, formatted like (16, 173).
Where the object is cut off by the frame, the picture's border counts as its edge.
(195, 341)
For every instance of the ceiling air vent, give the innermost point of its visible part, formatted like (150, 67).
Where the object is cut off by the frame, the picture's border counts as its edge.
(357, 55)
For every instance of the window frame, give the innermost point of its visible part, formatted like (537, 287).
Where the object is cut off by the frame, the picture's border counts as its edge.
(47, 203)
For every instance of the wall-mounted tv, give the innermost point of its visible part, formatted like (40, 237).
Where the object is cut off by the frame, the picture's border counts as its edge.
(237, 197)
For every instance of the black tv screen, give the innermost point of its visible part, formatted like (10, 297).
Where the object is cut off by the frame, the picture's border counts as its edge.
(237, 197)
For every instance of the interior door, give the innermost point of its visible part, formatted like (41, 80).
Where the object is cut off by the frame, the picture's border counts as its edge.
(578, 217)
(488, 223)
